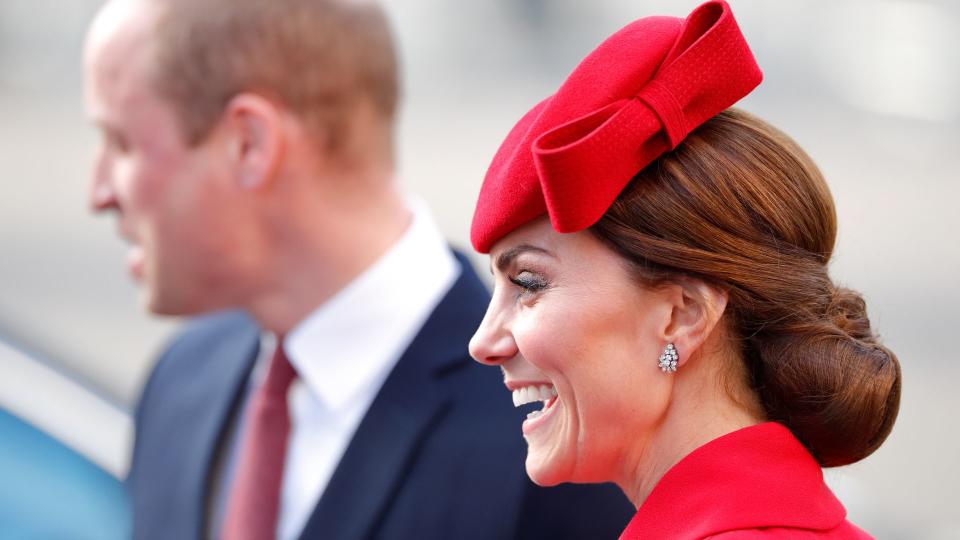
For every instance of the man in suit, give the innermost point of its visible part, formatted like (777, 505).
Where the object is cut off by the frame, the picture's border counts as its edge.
(325, 391)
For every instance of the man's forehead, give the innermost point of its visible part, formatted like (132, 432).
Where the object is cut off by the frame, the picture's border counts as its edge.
(121, 27)
(118, 62)
(118, 47)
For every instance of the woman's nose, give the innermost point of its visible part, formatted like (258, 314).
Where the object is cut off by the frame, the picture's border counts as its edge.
(493, 343)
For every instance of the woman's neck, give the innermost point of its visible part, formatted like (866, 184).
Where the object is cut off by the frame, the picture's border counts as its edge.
(699, 413)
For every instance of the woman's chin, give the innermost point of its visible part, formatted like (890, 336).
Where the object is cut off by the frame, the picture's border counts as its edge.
(544, 473)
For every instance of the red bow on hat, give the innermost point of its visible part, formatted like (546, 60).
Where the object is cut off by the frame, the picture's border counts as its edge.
(635, 97)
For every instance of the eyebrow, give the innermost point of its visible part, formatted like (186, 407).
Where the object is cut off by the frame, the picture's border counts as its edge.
(507, 257)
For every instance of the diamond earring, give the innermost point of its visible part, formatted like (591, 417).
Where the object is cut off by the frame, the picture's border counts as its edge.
(668, 359)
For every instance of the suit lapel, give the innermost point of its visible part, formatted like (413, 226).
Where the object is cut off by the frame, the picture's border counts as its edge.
(222, 380)
(410, 404)
(377, 458)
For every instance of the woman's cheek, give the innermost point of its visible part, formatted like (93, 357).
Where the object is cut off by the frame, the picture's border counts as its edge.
(540, 341)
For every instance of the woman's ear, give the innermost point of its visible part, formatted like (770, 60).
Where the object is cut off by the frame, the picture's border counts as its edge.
(696, 310)
(255, 139)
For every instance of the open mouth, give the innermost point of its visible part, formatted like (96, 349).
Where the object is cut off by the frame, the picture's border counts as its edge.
(543, 393)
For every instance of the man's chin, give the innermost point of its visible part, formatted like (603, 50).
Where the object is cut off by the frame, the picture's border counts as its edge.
(152, 306)
(159, 304)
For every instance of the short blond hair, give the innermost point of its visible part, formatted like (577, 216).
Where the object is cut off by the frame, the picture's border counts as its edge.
(317, 57)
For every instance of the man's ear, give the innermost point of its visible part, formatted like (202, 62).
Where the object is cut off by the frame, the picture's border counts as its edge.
(696, 309)
(255, 139)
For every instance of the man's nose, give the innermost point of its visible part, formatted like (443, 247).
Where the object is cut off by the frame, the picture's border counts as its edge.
(101, 195)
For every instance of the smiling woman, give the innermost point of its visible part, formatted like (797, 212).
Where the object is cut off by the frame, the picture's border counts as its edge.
(567, 315)
(661, 286)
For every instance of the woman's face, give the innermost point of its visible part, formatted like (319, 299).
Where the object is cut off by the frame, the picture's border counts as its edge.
(576, 334)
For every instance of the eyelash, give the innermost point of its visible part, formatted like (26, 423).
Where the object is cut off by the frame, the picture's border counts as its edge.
(528, 282)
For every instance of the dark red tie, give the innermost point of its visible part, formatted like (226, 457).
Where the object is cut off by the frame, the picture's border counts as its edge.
(254, 501)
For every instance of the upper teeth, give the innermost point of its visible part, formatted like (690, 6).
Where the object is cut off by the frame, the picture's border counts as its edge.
(529, 394)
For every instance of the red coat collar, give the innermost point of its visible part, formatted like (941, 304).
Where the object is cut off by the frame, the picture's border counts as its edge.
(759, 476)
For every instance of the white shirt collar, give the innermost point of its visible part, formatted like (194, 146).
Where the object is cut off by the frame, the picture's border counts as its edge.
(349, 344)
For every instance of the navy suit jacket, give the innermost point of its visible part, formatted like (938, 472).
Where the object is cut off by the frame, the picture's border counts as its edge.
(439, 454)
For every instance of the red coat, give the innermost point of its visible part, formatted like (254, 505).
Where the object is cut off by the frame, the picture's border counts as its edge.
(755, 483)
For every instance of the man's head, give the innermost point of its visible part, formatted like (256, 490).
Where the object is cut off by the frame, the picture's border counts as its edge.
(319, 58)
(205, 106)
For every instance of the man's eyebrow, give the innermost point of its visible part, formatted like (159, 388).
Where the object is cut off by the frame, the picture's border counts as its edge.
(507, 257)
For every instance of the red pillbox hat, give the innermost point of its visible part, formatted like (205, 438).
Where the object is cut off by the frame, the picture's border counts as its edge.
(632, 99)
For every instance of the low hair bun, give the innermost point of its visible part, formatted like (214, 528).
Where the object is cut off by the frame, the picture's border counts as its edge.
(830, 381)
(848, 311)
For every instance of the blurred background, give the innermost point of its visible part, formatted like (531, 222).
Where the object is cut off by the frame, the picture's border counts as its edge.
(871, 89)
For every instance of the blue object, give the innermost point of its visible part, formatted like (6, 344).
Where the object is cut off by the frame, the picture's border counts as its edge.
(49, 491)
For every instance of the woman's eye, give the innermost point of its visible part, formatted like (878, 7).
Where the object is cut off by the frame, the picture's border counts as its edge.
(529, 282)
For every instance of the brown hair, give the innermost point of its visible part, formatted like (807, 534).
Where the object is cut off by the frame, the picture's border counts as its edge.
(739, 205)
(317, 57)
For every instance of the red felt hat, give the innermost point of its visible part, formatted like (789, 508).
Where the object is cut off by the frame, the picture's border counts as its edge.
(632, 99)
